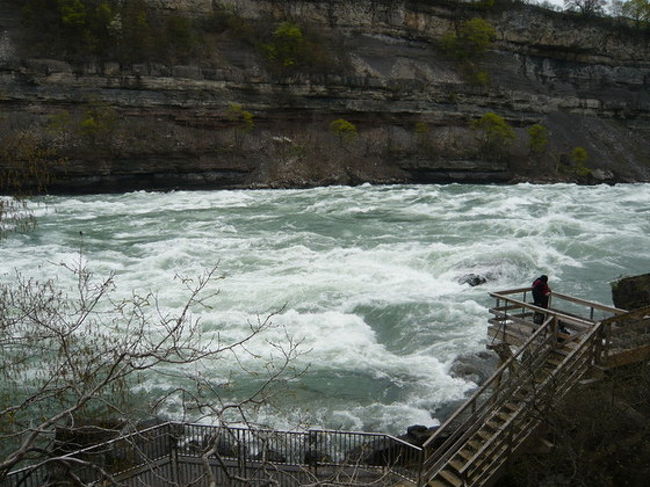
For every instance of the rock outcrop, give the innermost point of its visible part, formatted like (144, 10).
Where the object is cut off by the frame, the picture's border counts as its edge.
(587, 81)
(632, 292)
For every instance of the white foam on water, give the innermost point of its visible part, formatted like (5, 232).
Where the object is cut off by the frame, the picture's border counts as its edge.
(370, 278)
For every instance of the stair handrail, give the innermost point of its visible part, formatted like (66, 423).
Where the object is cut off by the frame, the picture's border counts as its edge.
(542, 329)
(573, 356)
(563, 382)
(471, 401)
(552, 316)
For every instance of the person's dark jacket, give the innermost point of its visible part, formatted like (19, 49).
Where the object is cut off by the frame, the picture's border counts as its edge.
(541, 291)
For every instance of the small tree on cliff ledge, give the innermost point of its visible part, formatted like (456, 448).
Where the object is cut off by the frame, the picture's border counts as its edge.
(496, 135)
(471, 40)
(538, 138)
(344, 130)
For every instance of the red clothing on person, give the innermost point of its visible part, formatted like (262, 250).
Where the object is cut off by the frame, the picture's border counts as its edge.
(541, 292)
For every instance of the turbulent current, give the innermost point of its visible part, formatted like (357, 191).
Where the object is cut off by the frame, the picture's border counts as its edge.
(370, 278)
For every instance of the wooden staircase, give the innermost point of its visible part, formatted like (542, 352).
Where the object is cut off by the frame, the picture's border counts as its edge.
(503, 430)
(472, 446)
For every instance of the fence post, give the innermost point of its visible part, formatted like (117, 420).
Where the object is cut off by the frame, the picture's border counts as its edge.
(421, 467)
(317, 455)
(173, 453)
(241, 452)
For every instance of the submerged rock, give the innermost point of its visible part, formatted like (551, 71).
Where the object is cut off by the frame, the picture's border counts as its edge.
(472, 279)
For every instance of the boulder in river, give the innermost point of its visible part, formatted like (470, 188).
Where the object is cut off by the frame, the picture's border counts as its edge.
(476, 367)
(472, 279)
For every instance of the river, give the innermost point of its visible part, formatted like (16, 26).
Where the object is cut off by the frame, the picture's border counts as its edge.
(369, 277)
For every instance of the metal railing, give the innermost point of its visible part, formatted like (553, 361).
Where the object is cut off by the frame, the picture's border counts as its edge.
(173, 454)
(467, 419)
(561, 304)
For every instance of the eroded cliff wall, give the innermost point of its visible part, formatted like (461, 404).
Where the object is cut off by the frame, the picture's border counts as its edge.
(172, 124)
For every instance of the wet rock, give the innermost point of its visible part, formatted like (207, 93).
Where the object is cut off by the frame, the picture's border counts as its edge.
(472, 279)
(476, 279)
(632, 292)
(418, 434)
(376, 452)
(272, 456)
(383, 452)
(313, 457)
(475, 368)
(224, 448)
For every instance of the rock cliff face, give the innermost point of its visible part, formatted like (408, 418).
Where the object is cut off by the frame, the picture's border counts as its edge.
(173, 125)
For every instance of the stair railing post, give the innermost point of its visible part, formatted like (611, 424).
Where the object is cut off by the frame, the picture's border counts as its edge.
(601, 345)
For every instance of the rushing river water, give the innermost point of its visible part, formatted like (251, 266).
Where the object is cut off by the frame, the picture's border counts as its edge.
(369, 277)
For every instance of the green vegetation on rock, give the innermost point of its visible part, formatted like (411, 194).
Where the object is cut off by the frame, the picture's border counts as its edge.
(538, 138)
(471, 40)
(496, 134)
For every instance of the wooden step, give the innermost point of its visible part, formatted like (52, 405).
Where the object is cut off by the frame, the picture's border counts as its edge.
(438, 483)
(465, 453)
(474, 444)
(457, 464)
(512, 406)
(503, 415)
(450, 477)
(486, 435)
(562, 351)
(483, 470)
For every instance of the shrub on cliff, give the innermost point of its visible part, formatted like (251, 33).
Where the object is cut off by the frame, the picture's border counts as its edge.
(496, 135)
(579, 156)
(97, 124)
(126, 31)
(288, 45)
(344, 130)
(240, 118)
(538, 138)
(290, 48)
(471, 40)
(75, 29)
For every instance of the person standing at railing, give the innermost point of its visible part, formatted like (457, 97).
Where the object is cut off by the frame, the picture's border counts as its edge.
(541, 294)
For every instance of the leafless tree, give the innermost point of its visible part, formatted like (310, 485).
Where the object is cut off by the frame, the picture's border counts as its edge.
(73, 357)
(586, 7)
